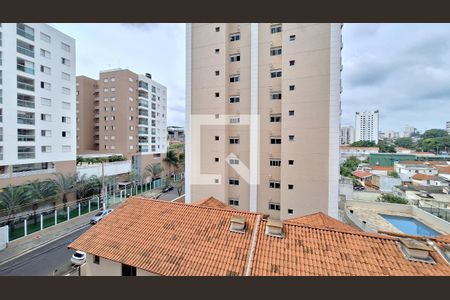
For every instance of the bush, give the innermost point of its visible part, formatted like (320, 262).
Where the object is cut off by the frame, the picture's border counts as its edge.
(389, 198)
(393, 174)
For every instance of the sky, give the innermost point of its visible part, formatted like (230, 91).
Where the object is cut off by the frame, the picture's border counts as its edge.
(403, 70)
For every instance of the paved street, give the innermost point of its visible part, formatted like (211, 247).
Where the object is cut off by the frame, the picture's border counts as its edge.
(43, 261)
(169, 195)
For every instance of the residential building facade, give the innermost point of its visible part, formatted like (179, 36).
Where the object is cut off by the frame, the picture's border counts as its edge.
(366, 126)
(122, 113)
(448, 127)
(347, 135)
(262, 116)
(37, 102)
(175, 134)
(408, 131)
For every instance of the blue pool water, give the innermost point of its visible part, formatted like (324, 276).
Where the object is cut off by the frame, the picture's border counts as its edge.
(410, 226)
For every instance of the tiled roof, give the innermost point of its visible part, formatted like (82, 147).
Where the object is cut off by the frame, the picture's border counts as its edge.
(212, 202)
(322, 220)
(443, 170)
(361, 174)
(308, 251)
(169, 238)
(444, 238)
(420, 176)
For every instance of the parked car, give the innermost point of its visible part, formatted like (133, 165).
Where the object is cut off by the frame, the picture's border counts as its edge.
(78, 258)
(167, 189)
(358, 188)
(100, 215)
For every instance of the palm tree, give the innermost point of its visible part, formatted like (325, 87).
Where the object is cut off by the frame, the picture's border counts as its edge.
(11, 198)
(39, 192)
(87, 186)
(64, 184)
(153, 170)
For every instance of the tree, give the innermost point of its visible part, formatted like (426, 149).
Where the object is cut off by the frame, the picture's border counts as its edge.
(434, 133)
(405, 142)
(393, 174)
(363, 144)
(386, 148)
(11, 198)
(393, 199)
(434, 144)
(39, 192)
(349, 166)
(64, 184)
(153, 170)
(172, 158)
(87, 186)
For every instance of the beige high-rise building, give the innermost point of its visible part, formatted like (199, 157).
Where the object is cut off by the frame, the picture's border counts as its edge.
(122, 113)
(262, 116)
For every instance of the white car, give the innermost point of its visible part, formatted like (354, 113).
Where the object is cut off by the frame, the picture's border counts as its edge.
(78, 258)
(100, 215)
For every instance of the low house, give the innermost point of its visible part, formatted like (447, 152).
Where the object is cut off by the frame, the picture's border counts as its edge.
(444, 171)
(426, 180)
(152, 237)
(385, 183)
(381, 170)
(425, 196)
(364, 177)
(407, 169)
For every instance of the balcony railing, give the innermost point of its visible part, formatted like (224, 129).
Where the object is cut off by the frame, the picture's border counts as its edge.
(27, 121)
(25, 138)
(25, 34)
(25, 69)
(143, 103)
(25, 155)
(25, 103)
(25, 51)
(25, 86)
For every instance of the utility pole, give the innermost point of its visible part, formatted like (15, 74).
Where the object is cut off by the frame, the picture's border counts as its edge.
(103, 186)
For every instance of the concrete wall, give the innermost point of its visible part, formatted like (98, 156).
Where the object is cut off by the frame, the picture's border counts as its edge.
(112, 168)
(366, 196)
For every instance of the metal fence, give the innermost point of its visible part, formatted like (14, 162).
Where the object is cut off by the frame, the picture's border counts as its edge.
(33, 221)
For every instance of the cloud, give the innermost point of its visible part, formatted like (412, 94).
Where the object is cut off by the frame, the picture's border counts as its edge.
(400, 69)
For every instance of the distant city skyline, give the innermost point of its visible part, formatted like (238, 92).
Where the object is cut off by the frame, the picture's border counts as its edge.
(399, 69)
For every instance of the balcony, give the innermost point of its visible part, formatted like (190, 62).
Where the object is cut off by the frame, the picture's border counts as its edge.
(143, 140)
(25, 138)
(25, 34)
(143, 103)
(25, 69)
(25, 51)
(25, 103)
(143, 121)
(25, 86)
(143, 112)
(26, 121)
(26, 155)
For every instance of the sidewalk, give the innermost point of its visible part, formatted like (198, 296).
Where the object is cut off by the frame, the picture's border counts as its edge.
(28, 243)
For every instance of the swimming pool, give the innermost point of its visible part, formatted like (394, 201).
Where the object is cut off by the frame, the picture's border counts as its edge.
(410, 225)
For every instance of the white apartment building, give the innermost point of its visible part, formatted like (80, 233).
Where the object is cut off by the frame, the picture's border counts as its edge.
(152, 136)
(408, 131)
(448, 127)
(37, 102)
(347, 136)
(366, 126)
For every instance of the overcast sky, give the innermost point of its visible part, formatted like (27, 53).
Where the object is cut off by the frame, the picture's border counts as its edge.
(403, 70)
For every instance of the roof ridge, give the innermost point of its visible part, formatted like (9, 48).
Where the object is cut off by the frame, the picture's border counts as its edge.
(361, 233)
(197, 206)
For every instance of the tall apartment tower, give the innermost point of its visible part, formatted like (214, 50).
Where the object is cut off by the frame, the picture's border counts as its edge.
(347, 135)
(262, 116)
(366, 126)
(448, 127)
(37, 103)
(122, 113)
